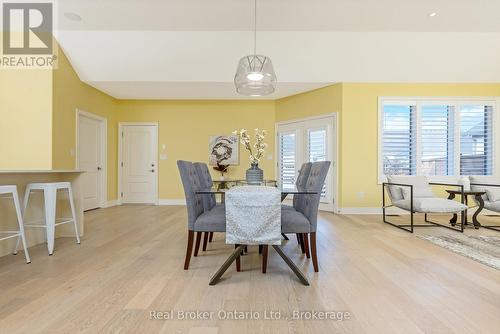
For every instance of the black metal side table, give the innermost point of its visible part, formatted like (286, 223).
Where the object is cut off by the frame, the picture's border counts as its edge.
(478, 195)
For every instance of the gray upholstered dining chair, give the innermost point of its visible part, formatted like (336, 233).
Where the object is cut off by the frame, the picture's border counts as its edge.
(199, 220)
(300, 184)
(304, 218)
(209, 201)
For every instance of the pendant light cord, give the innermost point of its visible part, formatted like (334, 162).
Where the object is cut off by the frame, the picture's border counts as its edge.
(255, 29)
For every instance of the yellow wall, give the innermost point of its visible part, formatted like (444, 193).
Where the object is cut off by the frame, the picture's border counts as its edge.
(185, 127)
(70, 94)
(358, 127)
(25, 114)
(317, 102)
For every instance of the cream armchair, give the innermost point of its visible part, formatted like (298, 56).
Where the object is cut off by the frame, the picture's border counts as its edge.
(414, 194)
(491, 200)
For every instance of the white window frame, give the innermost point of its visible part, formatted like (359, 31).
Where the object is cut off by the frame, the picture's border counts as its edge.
(453, 101)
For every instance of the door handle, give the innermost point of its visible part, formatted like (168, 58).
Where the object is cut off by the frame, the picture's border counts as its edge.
(152, 170)
(99, 168)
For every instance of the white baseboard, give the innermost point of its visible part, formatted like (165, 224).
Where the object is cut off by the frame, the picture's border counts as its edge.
(177, 201)
(111, 203)
(359, 211)
(371, 211)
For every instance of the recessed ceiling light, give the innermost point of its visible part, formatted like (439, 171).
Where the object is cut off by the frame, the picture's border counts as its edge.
(73, 16)
(432, 14)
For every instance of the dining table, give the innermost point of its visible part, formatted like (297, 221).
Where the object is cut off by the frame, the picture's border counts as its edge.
(239, 249)
(224, 185)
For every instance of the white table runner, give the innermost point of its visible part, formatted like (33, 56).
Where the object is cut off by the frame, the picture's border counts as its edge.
(253, 215)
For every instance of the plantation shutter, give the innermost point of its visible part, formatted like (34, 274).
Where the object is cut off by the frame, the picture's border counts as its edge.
(317, 149)
(437, 140)
(399, 139)
(287, 160)
(476, 140)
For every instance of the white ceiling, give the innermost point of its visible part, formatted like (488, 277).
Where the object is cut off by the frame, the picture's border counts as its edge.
(284, 15)
(188, 49)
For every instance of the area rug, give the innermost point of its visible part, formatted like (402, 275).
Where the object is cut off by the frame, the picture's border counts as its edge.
(485, 250)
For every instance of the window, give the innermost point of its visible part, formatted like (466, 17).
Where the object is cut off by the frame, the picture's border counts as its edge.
(399, 154)
(476, 143)
(436, 138)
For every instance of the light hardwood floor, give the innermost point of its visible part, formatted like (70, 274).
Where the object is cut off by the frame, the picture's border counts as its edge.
(131, 258)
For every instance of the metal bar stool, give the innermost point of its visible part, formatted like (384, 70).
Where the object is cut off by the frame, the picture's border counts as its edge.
(50, 201)
(12, 190)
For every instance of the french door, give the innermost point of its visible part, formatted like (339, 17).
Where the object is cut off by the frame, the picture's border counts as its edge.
(307, 141)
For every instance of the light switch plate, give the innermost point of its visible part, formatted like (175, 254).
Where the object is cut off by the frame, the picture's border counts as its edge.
(163, 157)
(269, 157)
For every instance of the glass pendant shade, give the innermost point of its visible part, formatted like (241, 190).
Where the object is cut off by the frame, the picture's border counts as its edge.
(255, 76)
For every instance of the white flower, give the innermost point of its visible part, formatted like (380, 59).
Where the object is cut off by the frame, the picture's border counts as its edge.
(259, 144)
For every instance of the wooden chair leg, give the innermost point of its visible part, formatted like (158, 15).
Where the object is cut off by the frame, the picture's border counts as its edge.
(211, 236)
(238, 264)
(314, 254)
(197, 245)
(264, 258)
(189, 249)
(205, 240)
(260, 249)
(306, 244)
(301, 238)
(298, 238)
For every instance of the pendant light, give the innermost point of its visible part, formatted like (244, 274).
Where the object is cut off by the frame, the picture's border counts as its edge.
(255, 73)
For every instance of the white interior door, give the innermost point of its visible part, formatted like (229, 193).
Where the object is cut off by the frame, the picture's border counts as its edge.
(139, 164)
(89, 160)
(307, 141)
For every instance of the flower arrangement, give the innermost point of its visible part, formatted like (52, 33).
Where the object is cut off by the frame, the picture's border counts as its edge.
(259, 145)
